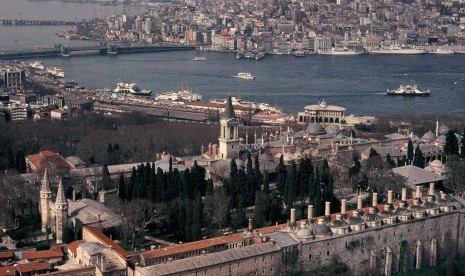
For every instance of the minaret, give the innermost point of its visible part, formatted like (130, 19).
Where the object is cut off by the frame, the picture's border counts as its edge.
(45, 199)
(61, 212)
(437, 128)
(229, 137)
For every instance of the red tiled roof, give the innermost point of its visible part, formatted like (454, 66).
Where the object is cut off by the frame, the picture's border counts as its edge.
(48, 159)
(107, 241)
(43, 254)
(6, 255)
(7, 271)
(73, 247)
(35, 266)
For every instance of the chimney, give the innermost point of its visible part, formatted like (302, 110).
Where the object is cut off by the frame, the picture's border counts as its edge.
(371, 210)
(255, 138)
(359, 202)
(431, 189)
(443, 195)
(250, 225)
(343, 206)
(418, 191)
(210, 148)
(404, 194)
(327, 208)
(98, 217)
(292, 215)
(389, 201)
(374, 202)
(338, 217)
(310, 213)
(74, 195)
(247, 138)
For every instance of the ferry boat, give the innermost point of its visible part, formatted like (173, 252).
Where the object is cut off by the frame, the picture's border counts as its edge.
(459, 51)
(245, 76)
(131, 88)
(408, 90)
(199, 59)
(341, 52)
(395, 50)
(441, 51)
(259, 55)
(299, 53)
(39, 65)
(55, 71)
(181, 95)
(259, 107)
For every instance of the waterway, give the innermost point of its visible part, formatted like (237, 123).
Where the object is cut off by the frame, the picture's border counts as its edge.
(357, 83)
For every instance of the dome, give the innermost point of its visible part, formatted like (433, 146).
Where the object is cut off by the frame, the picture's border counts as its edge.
(429, 136)
(443, 129)
(323, 103)
(401, 211)
(304, 232)
(441, 140)
(356, 220)
(338, 224)
(340, 136)
(332, 129)
(321, 229)
(371, 215)
(436, 163)
(315, 128)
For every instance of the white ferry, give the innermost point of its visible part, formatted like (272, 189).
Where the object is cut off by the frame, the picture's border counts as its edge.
(55, 71)
(245, 76)
(261, 107)
(441, 51)
(396, 50)
(39, 65)
(199, 59)
(181, 95)
(341, 52)
(408, 90)
(131, 88)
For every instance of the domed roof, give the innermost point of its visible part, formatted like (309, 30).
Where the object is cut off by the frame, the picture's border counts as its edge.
(441, 140)
(321, 229)
(386, 214)
(323, 103)
(304, 232)
(315, 128)
(415, 207)
(340, 136)
(356, 220)
(436, 163)
(429, 136)
(430, 205)
(332, 129)
(401, 211)
(443, 129)
(371, 215)
(338, 224)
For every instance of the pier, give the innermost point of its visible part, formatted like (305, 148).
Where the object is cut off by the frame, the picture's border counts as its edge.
(34, 22)
(66, 51)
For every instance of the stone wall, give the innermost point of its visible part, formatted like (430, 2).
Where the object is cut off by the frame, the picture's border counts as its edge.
(356, 248)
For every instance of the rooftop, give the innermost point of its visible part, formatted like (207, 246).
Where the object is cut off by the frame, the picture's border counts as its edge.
(416, 175)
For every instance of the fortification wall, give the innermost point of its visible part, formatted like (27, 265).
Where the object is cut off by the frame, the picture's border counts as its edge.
(354, 249)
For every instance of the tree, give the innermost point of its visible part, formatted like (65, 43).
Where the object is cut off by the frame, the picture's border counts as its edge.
(260, 212)
(197, 218)
(257, 174)
(121, 187)
(106, 181)
(281, 178)
(374, 162)
(266, 183)
(462, 146)
(276, 206)
(239, 217)
(419, 160)
(410, 151)
(217, 207)
(390, 163)
(290, 187)
(451, 147)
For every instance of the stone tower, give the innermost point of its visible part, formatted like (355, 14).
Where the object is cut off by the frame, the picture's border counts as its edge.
(229, 136)
(45, 199)
(61, 212)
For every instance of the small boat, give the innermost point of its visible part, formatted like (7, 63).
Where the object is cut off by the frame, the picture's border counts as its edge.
(39, 65)
(199, 59)
(131, 88)
(299, 53)
(181, 95)
(55, 71)
(245, 76)
(408, 90)
(441, 51)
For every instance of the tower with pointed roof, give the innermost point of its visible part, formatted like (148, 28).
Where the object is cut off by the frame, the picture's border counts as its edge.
(61, 213)
(229, 136)
(45, 199)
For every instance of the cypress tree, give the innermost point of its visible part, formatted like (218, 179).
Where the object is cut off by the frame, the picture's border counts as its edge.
(130, 187)
(121, 188)
(281, 178)
(266, 183)
(250, 181)
(451, 146)
(276, 207)
(257, 174)
(419, 160)
(188, 231)
(390, 163)
(240, 213)
(291, 181)
(410, 151)
(106, 181)
(232, 187)
(260, 210)
(462, 146)
(197, 218)
(317, 199)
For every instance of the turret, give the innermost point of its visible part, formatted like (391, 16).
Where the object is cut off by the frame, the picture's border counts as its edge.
(45, 199)
(61, 212)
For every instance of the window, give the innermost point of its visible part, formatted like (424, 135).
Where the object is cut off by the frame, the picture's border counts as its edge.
(309, 256)
(327, 253)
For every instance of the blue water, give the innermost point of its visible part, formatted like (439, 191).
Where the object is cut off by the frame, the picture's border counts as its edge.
(357, 83)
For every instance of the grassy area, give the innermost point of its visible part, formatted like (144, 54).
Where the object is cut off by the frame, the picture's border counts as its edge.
(456, 267)
(29, 226)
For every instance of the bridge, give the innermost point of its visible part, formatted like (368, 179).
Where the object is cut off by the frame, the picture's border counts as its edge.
(112, 49)
(35, 22)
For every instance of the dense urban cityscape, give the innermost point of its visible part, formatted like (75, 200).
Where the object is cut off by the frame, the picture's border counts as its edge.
(134, 180)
